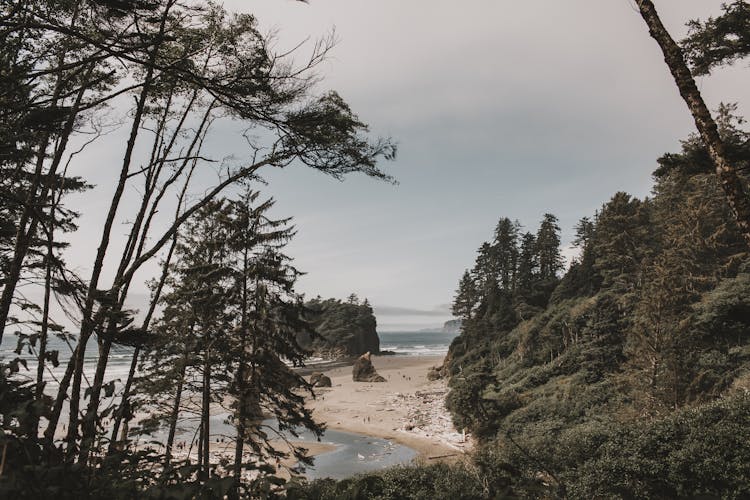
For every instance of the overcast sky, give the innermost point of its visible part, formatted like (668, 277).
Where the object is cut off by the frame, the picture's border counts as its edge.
(500, 109)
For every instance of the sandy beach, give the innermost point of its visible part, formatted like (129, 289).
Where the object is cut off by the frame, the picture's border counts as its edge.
(407, 408)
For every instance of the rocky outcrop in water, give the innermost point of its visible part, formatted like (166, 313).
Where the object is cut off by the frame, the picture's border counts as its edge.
(363, 371)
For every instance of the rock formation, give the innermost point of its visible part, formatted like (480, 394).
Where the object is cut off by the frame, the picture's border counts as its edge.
(344, 329)
(452, 326)
(434, 373)
(319, 380)
(363, 371)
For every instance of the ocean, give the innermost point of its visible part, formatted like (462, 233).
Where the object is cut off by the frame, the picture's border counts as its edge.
(422, 343)
(117, 367)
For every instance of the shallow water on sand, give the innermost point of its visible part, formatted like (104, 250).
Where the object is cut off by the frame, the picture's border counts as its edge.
(353, 453)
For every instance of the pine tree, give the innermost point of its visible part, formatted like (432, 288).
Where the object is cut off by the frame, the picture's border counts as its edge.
(505, 252)
(270, 316)
(718, 41)
(548, 248)
(697, 244)
(229, 327)
(485, 270)
(528, 265)
(466, 297)
(623, 239)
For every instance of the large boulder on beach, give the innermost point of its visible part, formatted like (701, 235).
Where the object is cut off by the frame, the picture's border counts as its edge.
(434, 373)
(320, 380)
(363, 371)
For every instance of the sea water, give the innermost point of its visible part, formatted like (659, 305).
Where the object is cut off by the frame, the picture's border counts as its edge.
(421, 343)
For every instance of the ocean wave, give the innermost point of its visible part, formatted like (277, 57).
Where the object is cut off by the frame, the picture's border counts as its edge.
(417, 350)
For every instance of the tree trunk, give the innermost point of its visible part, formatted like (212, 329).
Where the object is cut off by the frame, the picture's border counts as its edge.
(736, 192)
(62, 393)
(124, 402)
(144, 326)
(89, 422)
(134, 247)
(206, 415)
(200, 450)
(175, 413)
(88, 323)
(41, 362)
(241, 389)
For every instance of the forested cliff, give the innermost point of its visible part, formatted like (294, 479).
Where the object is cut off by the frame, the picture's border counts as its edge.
(628, 373)
(625, 375)
(344, 328)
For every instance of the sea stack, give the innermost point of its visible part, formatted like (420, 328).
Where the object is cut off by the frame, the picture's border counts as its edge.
(363, 371)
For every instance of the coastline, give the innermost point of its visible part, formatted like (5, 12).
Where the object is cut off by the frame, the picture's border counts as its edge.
(406, 408)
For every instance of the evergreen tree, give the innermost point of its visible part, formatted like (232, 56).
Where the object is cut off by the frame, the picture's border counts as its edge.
(718, 41)
(466, 297)
(548, 248)
(528, 265)
(271, 315)
(622, 239)
(204, 274)
(698, 245)
(505, 253)
(485, 270)
(582, 277)
(229, 326)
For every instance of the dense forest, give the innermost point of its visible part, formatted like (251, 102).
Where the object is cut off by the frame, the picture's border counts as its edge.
(608, 379)
(624, 375)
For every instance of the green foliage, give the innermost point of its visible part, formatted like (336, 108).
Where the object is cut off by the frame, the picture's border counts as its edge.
(600, 384)
(622, 238)
(725, 311)
(466, 392)
(719, 41)
(421, 482)
(466, 297)
(699, 452)
(229, 323)
(548, 248)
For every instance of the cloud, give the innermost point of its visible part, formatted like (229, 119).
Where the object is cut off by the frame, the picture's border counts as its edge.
(439, 311)
(499, 108)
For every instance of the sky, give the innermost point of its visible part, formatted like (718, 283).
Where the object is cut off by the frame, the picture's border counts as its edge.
(499, 108)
